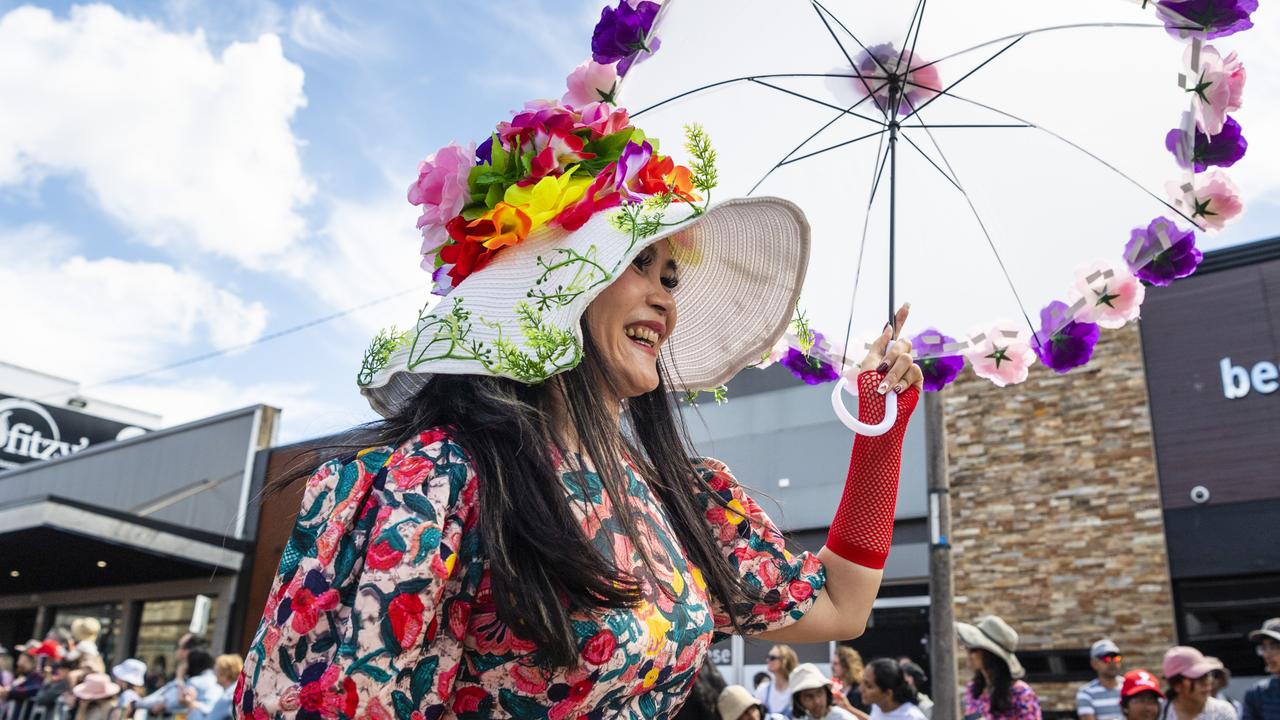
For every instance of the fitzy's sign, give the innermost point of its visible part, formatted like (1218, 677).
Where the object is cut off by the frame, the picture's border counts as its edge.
(1237, 380)
(30, 431)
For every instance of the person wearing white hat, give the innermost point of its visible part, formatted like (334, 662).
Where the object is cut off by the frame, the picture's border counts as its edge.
(737, 703)
(132, 675)
(811, 695)
(996, 690)
(1262, 701)
(1100, 698)
(529, 419)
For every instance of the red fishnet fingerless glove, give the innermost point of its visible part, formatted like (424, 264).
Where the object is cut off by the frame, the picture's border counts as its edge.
(863, 527)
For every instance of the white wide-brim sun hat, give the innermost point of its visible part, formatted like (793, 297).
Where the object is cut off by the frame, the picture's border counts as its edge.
(741, 263)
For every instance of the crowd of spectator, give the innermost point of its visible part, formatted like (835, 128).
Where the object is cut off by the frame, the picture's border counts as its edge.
(64, 677)
(1188, 686)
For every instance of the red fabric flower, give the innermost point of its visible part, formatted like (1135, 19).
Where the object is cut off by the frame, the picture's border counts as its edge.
(406, 618)
(382, 556)
(600, 648)
(307, 608)
(468, 700)
(312, 696)
(800, 590)
(412, 471)
(466, 257)
(350, 698)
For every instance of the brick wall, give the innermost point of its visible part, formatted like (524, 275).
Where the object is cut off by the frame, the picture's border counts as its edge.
(1056, 515)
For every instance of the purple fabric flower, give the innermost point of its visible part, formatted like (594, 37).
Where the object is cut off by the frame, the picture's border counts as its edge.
(811, 368)
(1063, 343)
(622, 34)
(630, 163)
(1223, 149)
(1156, 264)
(484, 151)
(1218, 17)
(939, 370)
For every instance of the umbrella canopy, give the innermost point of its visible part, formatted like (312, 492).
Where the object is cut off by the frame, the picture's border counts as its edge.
(1026, 144)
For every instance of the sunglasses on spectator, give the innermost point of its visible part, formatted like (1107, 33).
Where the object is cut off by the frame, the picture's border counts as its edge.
(779, 657)
(1112, 657)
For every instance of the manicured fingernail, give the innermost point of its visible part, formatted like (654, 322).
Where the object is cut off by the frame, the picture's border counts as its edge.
(884, 388)
(882, 367)
(900, 388)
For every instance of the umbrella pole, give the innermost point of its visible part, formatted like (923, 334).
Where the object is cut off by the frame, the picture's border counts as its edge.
(893, 188)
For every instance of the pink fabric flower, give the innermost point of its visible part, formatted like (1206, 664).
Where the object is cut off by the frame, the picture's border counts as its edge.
(441, 187)
(1112, 295)
(1211, 199)
(1218, 87)
(433, 236)
(1001, 355)
(603, 119)
(589, 83)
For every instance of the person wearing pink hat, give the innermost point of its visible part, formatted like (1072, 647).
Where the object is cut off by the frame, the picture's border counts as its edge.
(1186, 673)
(97, 695)
(1140, 696)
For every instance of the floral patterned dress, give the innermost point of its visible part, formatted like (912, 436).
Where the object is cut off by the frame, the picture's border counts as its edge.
(382, 608)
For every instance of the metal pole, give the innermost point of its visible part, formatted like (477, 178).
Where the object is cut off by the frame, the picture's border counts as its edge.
(942, 628)
(893, 201)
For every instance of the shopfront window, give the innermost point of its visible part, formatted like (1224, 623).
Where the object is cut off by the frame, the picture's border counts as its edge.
(108, 616)
(161, 625)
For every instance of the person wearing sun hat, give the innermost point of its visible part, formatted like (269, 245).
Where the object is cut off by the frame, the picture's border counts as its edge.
(1186, 675)
(996, 690)
(97, 695)
(811, 695)
(1140, 696)
(132, 674)
(1262, 701)
(585, 277)
(737, 703)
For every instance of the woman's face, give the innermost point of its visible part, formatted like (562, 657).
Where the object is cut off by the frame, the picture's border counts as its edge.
(752, 713)
(1195, 691)
(837, 667)
(814, 701)
(975, 659)
(1143, 706)
(631, 319)
(871, 693)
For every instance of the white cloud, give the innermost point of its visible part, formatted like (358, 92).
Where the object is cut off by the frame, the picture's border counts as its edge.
(92, 319)
(312, 30)
(372, 251)
(185, 148)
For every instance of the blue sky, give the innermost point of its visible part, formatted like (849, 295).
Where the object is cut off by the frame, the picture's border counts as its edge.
(181, 176)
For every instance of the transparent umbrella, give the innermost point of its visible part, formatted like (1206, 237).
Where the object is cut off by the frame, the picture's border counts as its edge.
(1019, 171)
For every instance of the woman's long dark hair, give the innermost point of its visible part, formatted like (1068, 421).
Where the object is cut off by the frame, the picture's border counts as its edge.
(1001, 682)
(542, 565)
(890, 678)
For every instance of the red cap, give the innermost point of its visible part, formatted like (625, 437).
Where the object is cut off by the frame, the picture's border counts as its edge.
(1137, 681)
(50, 648)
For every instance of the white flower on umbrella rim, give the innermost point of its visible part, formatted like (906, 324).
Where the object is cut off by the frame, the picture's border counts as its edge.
(1217, 87)
(1211, 199)
(589, 83)
(1001, 354)
(1111, 294)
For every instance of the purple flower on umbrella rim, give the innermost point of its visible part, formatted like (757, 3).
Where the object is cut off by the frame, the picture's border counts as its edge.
(939, 370)
(622, 35)
(1063, 343)
(1153, 262)
(811, 368)
(1223, 149)
(1218, 17)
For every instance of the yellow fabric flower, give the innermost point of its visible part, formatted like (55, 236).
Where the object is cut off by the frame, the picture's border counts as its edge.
(544, 200)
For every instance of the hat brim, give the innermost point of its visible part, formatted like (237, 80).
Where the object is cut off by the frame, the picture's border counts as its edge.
(1200, 669)
(742, 266)
(1257, 635)
(972, 637)
(82, 692)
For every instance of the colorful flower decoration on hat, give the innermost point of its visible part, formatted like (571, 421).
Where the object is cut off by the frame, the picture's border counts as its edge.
(551, 165)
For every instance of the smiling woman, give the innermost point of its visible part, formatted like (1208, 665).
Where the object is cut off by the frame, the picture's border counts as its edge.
(529, 532)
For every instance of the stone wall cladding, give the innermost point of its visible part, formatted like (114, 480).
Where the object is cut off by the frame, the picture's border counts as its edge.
(1056, 518)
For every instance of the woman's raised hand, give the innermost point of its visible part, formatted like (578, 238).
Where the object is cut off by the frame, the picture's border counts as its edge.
(894, 360)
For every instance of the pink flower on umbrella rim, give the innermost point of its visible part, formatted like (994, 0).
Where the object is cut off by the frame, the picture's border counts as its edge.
(441, 188)
(1001, 355)
(1217, 88)
(602, 119)
(591, 82)
(1112, 295)
(1211, 199)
